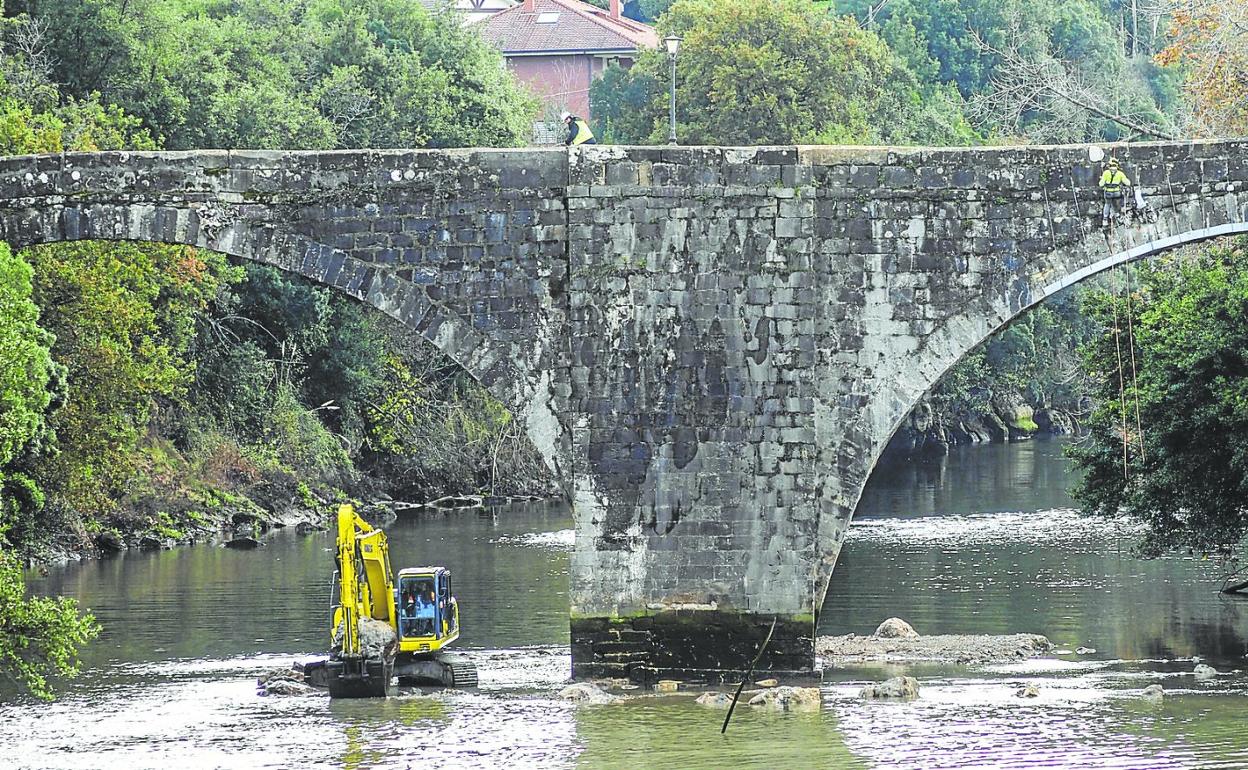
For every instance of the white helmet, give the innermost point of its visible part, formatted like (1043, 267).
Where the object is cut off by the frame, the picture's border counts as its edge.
(565, 115)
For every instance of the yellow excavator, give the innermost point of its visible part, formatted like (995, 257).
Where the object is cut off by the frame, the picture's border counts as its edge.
(383, 630)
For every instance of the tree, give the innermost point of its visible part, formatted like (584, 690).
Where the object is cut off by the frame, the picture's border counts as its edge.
(314, 74)
(123, 316)
(776, 72)
(1169, 438)
(39, 637)
(1209, 39)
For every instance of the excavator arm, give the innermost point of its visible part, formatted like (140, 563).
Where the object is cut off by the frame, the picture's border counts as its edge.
(366, 583)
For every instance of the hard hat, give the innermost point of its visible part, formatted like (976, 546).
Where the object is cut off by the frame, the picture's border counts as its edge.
(565, 115)
(1113, 161)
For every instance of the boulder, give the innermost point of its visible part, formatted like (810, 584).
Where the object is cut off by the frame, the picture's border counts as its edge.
(1055, 421)
(788, 699)
(377, 638)
(1016, 413)
(584, 692)
(1154, 692)
(153, 543)
(289, 674)
(667, 685)
(1027, 691)
(286, 687)
(1204, 672)
(895, 628)
(717, 700)
(897, 687)
(767, 682)
(1085, 650)
(307, 528)
(110, 542)
(995, 428)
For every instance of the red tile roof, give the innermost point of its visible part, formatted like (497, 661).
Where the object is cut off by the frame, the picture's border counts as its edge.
(570, 26)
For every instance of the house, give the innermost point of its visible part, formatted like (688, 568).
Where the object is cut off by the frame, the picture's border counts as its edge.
(558, 47)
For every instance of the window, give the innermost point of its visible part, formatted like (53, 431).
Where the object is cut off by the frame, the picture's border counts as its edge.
(547, 18)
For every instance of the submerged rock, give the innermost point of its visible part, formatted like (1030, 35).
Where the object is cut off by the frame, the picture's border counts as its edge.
(718, 700)
(1204, 672)
(1154, 692)
(308, 528)
(896, 628)
(787, 699)
(897, 687)
(243, 543)
(1085, 650)
(1028, 691)
(584, 692)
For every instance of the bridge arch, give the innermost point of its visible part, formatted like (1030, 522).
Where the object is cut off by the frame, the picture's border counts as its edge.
(1196, 219)
(410, 251)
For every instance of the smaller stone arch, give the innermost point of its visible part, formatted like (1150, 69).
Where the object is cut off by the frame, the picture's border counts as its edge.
(438, 241)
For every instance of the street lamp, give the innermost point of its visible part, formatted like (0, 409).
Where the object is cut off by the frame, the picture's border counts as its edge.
(673, 47)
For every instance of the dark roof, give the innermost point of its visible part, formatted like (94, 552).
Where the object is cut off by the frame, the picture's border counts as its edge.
(564, 25)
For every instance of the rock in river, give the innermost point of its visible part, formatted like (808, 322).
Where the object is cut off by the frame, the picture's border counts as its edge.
(718, 700)
(896, 628)
(243, 543)
(897, 687)
(1204, 672)
(584, 692)
(788, 698)
(286, 687)
(1154, 692)
(1027, 691)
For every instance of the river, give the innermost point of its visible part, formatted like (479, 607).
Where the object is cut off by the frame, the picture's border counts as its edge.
(985, 542)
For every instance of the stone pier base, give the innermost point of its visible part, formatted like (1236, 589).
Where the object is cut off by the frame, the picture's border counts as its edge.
(692, 645)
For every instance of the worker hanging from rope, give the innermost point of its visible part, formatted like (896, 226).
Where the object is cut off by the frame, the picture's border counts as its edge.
(1113, 182)
(578, 131)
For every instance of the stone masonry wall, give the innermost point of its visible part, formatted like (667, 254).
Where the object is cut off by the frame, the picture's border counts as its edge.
(711, 346)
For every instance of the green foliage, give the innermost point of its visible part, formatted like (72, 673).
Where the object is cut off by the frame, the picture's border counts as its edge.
(1186, 472)
(27, 377)
(25, 362)
(311, 74)
(1084, 44)
(776, 72)
(39, 637)
(123, 317)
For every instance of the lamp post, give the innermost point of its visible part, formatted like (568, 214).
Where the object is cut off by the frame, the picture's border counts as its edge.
(673, 47)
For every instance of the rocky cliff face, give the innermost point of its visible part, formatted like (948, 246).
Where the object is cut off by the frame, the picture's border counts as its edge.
(1008, 417)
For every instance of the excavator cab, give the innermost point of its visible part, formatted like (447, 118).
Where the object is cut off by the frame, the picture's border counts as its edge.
(427, 611)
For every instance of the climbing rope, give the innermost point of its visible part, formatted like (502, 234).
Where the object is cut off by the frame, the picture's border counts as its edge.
(1122, 397)
(1135, 386)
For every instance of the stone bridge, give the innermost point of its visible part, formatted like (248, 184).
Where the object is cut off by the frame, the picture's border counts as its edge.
(710, 346)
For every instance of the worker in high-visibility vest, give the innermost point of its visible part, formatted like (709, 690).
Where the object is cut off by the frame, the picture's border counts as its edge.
(578, 131)
(1113, 182)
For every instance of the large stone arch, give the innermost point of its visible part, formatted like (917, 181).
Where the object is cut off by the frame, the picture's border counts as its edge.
(396, 231)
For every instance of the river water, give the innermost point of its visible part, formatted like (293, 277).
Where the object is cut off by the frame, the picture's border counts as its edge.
(985, 542)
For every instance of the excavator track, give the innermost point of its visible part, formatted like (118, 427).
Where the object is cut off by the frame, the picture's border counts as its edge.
(463, 673)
